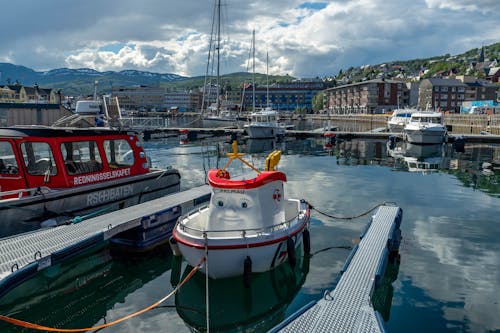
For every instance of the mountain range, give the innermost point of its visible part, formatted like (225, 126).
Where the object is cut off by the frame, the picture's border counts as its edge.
(81, 81)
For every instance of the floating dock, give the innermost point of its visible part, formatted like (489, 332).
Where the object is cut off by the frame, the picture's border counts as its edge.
(23, 255)
(344, 135)
(348, 307)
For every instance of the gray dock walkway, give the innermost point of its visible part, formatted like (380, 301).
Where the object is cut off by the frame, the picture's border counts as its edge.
(23, 255)
(348, 307)
(373, 135)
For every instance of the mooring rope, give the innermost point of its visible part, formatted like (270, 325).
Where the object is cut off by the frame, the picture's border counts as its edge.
(34, 326)
(351, 217)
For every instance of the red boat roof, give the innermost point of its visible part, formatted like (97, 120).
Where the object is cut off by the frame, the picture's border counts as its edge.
(45, 131)
(263, 178)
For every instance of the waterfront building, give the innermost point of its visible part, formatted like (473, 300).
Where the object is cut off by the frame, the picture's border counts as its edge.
(140, 98)
(369, 97)
(17, 93)
(288, 97)
(449, 94)
(189, 101)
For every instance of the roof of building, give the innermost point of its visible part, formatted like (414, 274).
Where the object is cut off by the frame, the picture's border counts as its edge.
(445, 82)
(366, 82)
(15, 87)
(493, 70)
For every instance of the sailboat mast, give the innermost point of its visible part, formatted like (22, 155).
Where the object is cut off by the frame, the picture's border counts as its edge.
(218, 55)
(267, 77)
(253, 75)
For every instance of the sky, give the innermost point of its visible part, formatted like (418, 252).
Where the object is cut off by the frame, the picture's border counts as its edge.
(303, 39)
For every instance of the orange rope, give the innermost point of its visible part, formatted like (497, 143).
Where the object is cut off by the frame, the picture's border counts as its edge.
(26, 324)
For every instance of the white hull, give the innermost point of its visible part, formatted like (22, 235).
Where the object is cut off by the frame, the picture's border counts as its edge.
(227, 262)
(263, 132)
(227, 250)
(28, 213)
(425, 136)
(396, 127)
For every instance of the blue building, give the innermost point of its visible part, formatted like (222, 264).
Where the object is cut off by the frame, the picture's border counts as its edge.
(297, 95)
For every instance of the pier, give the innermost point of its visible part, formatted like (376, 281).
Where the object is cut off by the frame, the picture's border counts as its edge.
(23, 255)
(343, 135)
(348, 308)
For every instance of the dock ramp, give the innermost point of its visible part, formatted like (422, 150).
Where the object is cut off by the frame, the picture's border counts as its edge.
(348, 308)
(23, 255)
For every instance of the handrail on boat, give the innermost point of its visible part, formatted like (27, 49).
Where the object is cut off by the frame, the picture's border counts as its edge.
(257, 231)
(30, 191)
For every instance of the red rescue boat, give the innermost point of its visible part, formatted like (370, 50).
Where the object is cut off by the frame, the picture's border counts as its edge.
(48, 175)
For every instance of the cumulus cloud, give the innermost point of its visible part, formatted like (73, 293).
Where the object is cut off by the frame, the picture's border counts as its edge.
(302, 38)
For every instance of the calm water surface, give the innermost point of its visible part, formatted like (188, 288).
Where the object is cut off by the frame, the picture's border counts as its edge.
(446, 281)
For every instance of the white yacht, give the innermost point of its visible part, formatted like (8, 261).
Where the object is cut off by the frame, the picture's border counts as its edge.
(265, 124)
(399, 119)
(425, 128)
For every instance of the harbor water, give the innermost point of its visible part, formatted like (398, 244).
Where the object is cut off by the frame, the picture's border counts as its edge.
(445, 281)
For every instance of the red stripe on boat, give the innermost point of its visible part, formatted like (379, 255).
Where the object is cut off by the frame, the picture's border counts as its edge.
(263, 178)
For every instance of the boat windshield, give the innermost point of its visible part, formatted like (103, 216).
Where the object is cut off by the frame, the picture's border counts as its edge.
(8, 163)
(118, 153)
(427, 119)
(38, 158)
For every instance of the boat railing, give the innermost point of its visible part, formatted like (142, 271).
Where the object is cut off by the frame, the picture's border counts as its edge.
(25, 192)
(243, 232)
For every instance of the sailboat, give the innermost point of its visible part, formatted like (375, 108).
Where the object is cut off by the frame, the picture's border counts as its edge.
(221, 111)
(264, 123)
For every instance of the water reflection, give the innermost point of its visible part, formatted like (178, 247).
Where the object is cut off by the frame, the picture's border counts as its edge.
(420, 158)
(80, 292)
(234, 308)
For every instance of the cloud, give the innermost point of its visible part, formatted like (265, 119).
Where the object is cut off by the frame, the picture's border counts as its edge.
(484, 6)
(302, 38)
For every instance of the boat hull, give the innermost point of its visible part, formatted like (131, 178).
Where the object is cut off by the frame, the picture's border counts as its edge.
(57, 206)
(229, 261)
(425, 136)
(226, 254)
(263, 132)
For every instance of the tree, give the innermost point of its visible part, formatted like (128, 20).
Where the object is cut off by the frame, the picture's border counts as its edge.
(317, 102)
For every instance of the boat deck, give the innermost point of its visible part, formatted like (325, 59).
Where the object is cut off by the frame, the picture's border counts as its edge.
(348, 307)
(23, 255)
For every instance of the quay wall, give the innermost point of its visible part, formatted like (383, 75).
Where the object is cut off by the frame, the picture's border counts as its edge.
(456, 123)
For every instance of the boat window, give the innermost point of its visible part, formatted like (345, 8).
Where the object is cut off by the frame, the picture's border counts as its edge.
(38, 158)
(8, 163)
(118, 153)
(81, 157)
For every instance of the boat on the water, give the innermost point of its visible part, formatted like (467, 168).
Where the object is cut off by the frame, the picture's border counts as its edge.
(49, 175)
(265, 124)
(248, 226)
(399, 119)
(425, 128)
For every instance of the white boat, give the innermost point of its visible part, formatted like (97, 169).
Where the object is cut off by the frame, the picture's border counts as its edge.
(399, 119)
(425, 128)
(265, 124)
(248, 226)
(221, 112)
